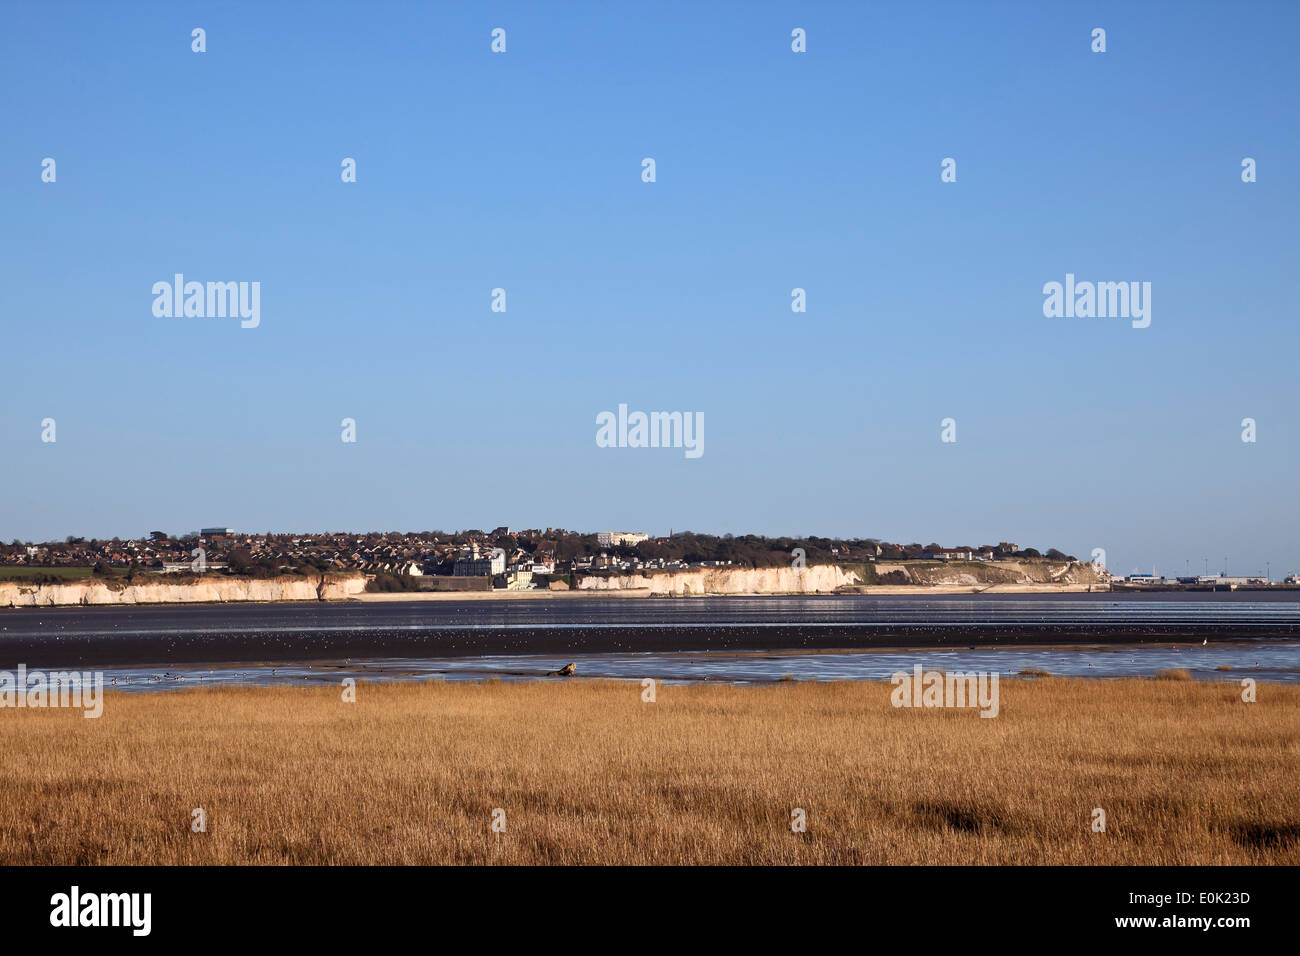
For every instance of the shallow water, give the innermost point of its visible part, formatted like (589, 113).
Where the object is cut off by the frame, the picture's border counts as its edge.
(606, 630)
(1276, 662)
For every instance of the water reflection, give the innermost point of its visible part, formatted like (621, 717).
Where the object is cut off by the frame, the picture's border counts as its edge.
(1231, 661)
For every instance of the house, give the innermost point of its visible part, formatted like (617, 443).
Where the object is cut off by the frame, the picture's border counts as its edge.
(520, 581)
(948, 554)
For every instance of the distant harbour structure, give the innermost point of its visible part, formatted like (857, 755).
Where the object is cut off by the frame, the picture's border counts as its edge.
(1234, 580)
(1141, 577)
(1216, 582)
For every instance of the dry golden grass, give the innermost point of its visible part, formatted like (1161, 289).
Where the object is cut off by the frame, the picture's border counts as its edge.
(588, 773)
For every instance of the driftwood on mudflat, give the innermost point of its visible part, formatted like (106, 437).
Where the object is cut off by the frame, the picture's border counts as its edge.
(566, 671)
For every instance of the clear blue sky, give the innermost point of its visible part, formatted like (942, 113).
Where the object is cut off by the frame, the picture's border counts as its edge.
(775, 170)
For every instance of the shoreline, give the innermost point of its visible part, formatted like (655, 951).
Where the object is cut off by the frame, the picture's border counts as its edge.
(388, 597)
(868, 590)
(821, 579)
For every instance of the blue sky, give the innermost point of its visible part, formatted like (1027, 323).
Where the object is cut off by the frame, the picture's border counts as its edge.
(775, 170)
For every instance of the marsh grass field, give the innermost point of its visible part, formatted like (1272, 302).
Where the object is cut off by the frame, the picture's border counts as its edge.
(588, 773)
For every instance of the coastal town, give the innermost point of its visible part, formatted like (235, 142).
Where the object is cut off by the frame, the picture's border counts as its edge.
(505, 557)
(502, 558)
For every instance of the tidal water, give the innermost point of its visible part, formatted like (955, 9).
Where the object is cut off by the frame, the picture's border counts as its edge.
(454, 628)
(1214, 636)
(1276, 662)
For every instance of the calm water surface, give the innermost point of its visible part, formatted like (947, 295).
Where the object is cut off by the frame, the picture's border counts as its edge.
(736, 639)
(1230, 662)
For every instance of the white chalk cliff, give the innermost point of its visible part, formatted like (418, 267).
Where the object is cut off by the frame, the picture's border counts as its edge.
(213, 589)
(818, 579)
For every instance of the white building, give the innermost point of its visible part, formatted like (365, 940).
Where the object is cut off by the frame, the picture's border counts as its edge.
(628, 539)
(476, 567)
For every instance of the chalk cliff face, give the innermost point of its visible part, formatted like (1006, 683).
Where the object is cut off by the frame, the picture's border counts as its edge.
(1060, 573)
(811, 580)
(323, 588)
